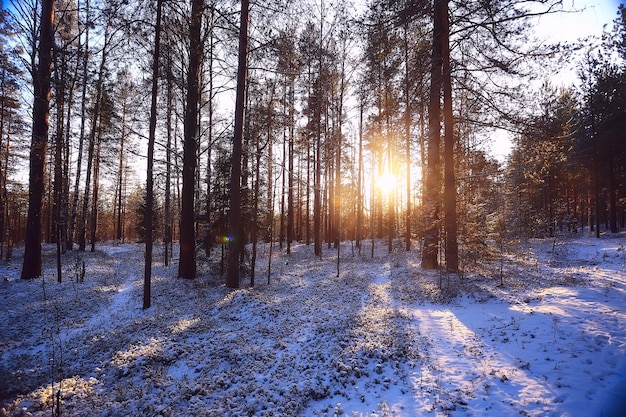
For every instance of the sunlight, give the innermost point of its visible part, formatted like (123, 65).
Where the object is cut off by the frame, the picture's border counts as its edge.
(183, 325)
(386, 182)
(72, 389)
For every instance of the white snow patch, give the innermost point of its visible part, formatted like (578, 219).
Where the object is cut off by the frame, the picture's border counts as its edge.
(383, 339)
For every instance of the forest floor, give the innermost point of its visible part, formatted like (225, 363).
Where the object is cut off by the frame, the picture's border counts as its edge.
(383, 338)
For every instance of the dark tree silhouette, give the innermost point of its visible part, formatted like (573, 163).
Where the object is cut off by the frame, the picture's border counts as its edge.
(150, 168)
(187, 262)
(41, 110)
(235, 217)
(432, 182)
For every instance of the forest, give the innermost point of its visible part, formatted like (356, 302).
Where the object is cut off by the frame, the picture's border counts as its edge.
(360, 122)
(237, 144)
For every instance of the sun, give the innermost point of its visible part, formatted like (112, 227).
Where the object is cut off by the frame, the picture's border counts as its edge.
(386, 182)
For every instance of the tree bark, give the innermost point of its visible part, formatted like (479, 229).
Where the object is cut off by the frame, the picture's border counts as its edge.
(57, 204)
(81, 139)
(407, 132)
(452, 248)
(4, 218)
(317, 196)
(149, 212)
(612, 196)
(432, 183)
(31, 267)
(235, 215)
(6, 223)
(596, 179)
(209, 237)
(167, 238)
(120, 174)
(290, 208)
(359, 205)
(255, 209)
(187, 261)
(96, 190)
(93, 138)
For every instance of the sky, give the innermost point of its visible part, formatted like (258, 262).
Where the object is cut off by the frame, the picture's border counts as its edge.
(587, 18)
(590, 19)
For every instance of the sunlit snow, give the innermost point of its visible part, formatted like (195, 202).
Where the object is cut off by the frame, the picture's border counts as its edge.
(385, 338)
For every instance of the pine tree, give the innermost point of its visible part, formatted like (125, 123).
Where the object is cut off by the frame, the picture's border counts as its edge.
(235, 225)
(187, 262)
(31, 267)
(10, 90)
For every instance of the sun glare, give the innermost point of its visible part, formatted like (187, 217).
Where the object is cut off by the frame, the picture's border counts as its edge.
(386, 182)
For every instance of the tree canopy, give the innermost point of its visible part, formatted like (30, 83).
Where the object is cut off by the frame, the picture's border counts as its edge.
(304, 121)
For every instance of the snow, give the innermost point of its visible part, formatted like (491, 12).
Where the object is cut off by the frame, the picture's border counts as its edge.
(384, 338)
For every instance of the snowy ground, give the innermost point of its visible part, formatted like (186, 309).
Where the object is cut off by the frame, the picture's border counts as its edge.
(382, 339)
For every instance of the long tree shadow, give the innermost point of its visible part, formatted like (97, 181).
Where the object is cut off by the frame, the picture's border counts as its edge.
(44, 317)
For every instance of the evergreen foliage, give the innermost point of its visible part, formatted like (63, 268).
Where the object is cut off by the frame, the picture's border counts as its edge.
(351, 125)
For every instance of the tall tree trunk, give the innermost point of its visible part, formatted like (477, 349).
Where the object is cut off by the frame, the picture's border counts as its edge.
(6, 235)
(148, 211)
(318, 90)
(81, 137)
(327, 189)
(235, 215)
(60, 84)
(82, 233)
(93, 138)
(270, 174)
(307, 214)
(373, 203)
(167, 238)
(452, 248)
(337, 198)
(317, 182)
(245, 173)
(31, 267)
(3, 175)
(612, 196)
(48, 177)
(66, 167)
(596, 175)
(337, 215)
(96, 191)
(422, 139)
(57, 204)
(549, 201)
(359, 204)
(120, 174)
(298, 234)
(209, 239)
(3, 169)
(407, 132)
(187, 261)
(255, 208)
(391, 225)
(432, 182)
(380, 211)
(4, 203)
(283, 170)
(290, 208)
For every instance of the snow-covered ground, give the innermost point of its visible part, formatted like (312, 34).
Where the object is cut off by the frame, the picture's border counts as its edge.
(380, 339)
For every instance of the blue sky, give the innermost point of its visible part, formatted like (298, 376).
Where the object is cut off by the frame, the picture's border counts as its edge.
(593, 15)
